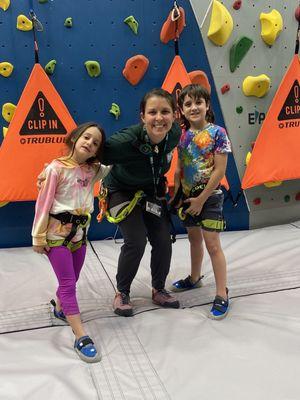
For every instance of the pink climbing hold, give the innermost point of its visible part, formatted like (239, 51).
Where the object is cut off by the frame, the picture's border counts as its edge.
(237, 4)
(225, 88)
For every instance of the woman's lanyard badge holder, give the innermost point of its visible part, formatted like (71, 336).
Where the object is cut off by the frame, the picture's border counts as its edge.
(153, 204)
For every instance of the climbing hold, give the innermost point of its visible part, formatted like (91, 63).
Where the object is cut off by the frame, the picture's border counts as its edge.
(4, 131)
(115, 110)
(248, 156)
(237, 4)
(238, 51)
(221, 24)
(68, 22)
(287, 198)
(3, 203)
(297, 197)
(4, 4)
(23, 23)
(173, 26)
(252, 144)
(6, 69)
(50, 67)
(225, 88)
(256, 86)
(8, 110)
(272, 184)
(135, 68)
(200, 78)
(257, 201)
(132, 23)
(239, 109)
(271, 26)
(297, 13)
(43, 1)
(93, 68)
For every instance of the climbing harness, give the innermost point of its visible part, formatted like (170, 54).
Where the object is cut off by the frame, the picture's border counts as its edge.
(124, 212)
(77, 221)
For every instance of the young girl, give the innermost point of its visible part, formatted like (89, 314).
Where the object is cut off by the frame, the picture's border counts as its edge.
(62, 216)
(202, 159)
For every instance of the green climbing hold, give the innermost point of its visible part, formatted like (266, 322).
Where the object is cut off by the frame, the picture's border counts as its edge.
(93, 68)
(50, 67)
(132, 23)
(115, 110)
(43, 1)
(68, 22)
(238, 51)
(287, 198)
(239, 109)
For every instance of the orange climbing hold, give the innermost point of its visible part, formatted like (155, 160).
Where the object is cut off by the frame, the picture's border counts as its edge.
(135, 68)
(173, 25)
(200, 78)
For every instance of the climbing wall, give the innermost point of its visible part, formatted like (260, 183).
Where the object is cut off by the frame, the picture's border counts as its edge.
(75, 33)
(244, 115)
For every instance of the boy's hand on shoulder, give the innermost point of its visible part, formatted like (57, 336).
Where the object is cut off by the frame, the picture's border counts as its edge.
(41, 249)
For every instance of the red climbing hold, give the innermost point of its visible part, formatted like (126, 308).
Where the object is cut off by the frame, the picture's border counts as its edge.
(237, 4)
(257, 201)
(225, 88)
(297, 13)
(297, 197)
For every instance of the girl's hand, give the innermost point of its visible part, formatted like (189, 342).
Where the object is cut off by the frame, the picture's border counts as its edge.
(41, 249)
(195, 207)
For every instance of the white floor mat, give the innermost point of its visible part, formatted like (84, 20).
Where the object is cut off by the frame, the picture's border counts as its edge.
(158, 354)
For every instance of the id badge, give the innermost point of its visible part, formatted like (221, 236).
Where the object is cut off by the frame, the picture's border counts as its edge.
(153, 208)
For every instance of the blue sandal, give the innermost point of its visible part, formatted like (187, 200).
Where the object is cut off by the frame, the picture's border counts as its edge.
(220, 307)
(58, 314)
(86, 350)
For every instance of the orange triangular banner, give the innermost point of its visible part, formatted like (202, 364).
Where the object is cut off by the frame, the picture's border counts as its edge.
(275, 156)
(176, 79)
(35, 136)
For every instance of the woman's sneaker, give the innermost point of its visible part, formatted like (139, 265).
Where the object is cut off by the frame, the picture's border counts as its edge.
(58, 314)
(164, 299)
(220, 307)
(122, 305)
(186, 284)
(86, 350)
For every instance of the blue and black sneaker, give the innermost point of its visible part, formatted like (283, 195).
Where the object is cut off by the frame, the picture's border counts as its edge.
(186, 284)
(86, 350)
(58, 314)
(220, 307)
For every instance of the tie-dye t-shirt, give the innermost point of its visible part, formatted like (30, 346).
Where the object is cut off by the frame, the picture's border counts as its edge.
(196, 150)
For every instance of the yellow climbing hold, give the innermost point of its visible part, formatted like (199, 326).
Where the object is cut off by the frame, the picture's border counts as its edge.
(8, 110)
(221, 24)
(271, 26)
(248, 156)
(4, 131)
(3, 203)
(23, 23)
(273, 184)
(256, 86)
(6, 69)
(4, 4)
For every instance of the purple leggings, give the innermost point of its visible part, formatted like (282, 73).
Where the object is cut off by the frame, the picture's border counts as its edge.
(67, 267)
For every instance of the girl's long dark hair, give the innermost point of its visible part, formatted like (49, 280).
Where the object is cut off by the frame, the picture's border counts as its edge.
(196, 92)
(79, 131)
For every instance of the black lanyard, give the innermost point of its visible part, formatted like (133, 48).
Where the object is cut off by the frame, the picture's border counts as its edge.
(156, 176)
